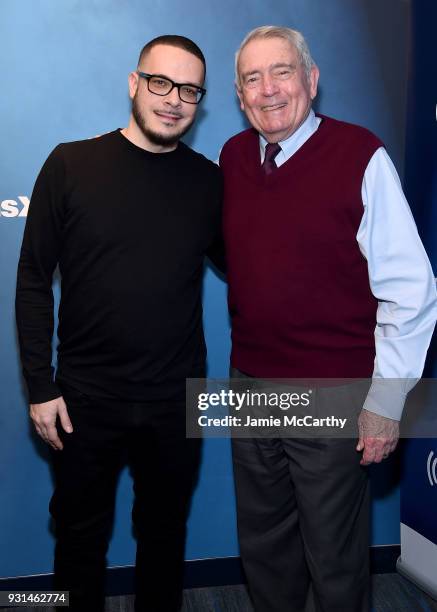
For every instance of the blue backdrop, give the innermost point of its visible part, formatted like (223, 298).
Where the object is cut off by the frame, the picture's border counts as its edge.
(63, 75)
(418, 491)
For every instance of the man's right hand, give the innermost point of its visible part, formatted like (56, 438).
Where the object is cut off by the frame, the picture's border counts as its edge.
(44, 418)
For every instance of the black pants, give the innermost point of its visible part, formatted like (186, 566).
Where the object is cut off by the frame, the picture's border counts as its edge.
(164, 464)
(303, 515)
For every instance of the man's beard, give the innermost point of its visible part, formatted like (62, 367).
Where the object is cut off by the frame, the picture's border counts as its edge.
(155, 137)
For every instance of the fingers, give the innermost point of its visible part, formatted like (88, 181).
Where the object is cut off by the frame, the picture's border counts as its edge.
(49, 434)
(64, 418)
(52, 437)
(44, 418)
(376, 449)
(393, 445)
(369, 452)
(378, 436)
(360, 445)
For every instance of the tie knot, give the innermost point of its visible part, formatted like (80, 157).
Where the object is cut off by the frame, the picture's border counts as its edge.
(272, 149)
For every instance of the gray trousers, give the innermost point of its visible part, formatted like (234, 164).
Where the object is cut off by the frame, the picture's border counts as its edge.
(303, 515)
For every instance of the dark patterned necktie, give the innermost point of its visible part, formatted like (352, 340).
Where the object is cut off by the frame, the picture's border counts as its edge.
(268, 165)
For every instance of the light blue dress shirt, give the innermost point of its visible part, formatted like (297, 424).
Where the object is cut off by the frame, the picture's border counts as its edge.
(400, 277)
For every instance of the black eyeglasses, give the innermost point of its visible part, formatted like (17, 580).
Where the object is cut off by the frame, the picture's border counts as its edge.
(161, 86)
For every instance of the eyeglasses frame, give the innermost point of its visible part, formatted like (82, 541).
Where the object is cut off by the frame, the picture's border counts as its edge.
(147, 77)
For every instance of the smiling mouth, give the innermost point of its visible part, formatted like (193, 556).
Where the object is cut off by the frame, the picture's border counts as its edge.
(272, 107)
(174, 117)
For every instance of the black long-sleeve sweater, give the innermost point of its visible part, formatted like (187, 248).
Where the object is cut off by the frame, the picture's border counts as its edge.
(129, 230)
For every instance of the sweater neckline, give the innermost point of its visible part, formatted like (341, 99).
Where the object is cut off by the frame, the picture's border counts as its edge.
(295, 159)
(144, 153)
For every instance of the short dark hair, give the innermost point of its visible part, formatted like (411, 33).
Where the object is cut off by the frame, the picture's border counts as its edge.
(173, 40)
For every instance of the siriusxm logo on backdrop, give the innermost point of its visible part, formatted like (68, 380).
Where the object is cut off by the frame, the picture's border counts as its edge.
(431, 468)
(14, 208)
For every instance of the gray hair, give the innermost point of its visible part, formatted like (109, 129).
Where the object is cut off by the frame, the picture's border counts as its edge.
(293, 36)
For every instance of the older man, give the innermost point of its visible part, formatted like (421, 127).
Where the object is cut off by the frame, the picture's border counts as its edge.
(327, 279)
(129, 218)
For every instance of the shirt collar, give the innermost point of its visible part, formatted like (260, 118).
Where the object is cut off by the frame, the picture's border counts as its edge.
(290, 145)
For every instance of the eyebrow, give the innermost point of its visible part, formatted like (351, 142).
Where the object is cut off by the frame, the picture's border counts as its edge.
(282, 65)
(164, 76)
(271, 67)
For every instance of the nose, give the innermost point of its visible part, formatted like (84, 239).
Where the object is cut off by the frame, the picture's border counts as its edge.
(172, 97)
(269, 85)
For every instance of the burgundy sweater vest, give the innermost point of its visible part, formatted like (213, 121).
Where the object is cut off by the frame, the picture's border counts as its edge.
(299, 294)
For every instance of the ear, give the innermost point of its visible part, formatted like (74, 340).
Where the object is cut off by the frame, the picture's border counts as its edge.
(132, 80)
(240, 95)
(314, 80)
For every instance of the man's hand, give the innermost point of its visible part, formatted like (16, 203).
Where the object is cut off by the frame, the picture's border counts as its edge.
(44, 418)
(378, 436)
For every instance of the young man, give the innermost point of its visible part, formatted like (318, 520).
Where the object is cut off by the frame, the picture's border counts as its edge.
(327, 279)
(129, 218)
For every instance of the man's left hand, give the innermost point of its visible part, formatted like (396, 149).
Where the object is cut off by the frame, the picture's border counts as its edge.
(378, 436)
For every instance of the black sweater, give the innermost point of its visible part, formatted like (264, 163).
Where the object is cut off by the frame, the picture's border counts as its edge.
(129, 230)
